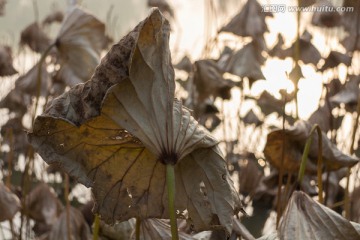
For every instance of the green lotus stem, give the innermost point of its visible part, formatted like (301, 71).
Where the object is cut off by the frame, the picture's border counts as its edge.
(319, 162)
(96, 227)
(39, 76)
(137, 228)
(170, 182)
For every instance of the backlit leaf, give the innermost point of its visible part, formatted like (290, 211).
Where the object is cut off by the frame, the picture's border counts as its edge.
(209, 81)
(116, 131)
(79, 42)
(249, 22)
(349, 95)
(293, 139)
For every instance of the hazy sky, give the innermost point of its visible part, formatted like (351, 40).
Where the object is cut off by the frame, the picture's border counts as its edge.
(20, 13)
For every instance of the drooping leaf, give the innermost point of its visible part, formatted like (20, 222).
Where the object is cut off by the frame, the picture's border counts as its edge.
(79, 42)
(278, 50)
(327, 19)
(16, 101)
(9, 203)
(334, 59)
(323, 117)
(17, 141)
(249, 174)
(209, 81)
(28, 83)
(184, 64)
(308, 52)
(252, 118)
(247, 62)
(305, 218)
(249, 22)
(79, 230)
(116, 131)
(349, 95)
(334, 190)
(163, 6)
(6, 61)
(35, 38)
(56, 16)
(206, 113)
(293, 141)
(269, 104)
(42, 205)
(158, 229)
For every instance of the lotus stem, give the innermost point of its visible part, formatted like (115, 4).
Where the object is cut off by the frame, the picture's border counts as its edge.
(170, 182)
(96, 227)
(137, 228)
(355, 127)
(281, 170)
(39, 76)
(319, 162)
(68, 226)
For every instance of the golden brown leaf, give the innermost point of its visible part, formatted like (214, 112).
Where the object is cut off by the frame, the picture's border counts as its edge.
(293, 141)
(111, 133)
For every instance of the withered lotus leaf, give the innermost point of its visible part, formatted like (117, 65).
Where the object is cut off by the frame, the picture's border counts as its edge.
(351, 43)
(327, 19)
(293, 141)
(34, 37)
(111, 132)
(28, 82)
(79, 42)
(355, 205)
(209, 81)
(334, 59)
(351, 18)
(158, 229)
(247, 62)
(249, 22)
(252, 118)
(163, 6)
(184, 64)
(16, 101)
(42, 205)
(349, 94)
(305, 218)
(309, 54)
(79, 229)
(9, 203)
(6, 61)
(57, 16)
(323, 117)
